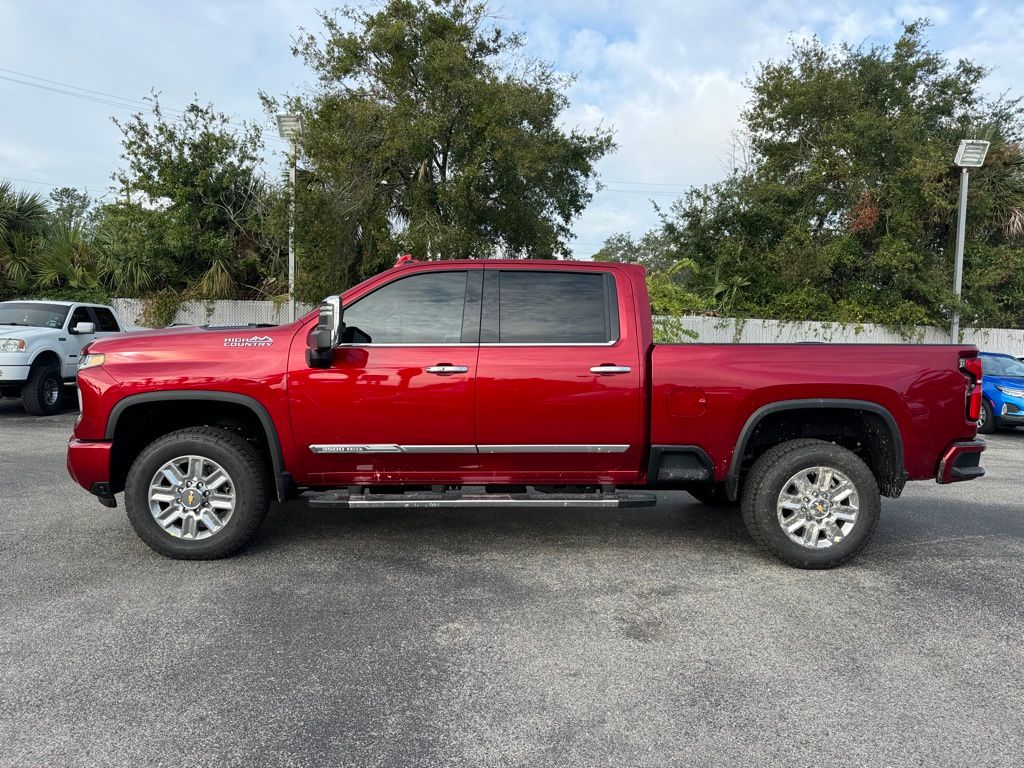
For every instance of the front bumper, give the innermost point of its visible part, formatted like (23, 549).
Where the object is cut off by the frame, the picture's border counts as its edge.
(961, 461)
(1012, 411)
(89, 466)
(12, 374)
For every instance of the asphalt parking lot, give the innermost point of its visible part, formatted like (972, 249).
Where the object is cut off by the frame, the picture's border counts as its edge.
(650, 637)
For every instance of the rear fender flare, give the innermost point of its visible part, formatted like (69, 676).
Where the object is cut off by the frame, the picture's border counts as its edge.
(732, 477)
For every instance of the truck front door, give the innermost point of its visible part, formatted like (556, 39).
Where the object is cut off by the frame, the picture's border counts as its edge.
(558, 393)
(396, 404)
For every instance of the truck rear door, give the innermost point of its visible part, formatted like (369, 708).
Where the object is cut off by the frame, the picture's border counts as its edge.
(558, 394)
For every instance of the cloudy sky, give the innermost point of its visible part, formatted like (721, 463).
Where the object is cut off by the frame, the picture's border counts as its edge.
(666, 74)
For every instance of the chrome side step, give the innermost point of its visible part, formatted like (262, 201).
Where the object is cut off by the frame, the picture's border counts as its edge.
(344, 499)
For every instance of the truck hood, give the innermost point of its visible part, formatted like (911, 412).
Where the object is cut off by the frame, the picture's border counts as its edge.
(195, 336)
(26, 332)
(197, 357)
(1005, 381)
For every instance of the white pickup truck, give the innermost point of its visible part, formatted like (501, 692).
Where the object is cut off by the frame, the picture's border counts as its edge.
(39, 346)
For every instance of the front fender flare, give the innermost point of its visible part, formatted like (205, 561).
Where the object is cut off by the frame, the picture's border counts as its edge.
(282, 478)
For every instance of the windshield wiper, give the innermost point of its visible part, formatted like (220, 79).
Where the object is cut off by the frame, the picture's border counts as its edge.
(25, 325)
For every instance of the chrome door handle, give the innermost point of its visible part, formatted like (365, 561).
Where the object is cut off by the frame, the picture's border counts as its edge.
(446, 369)
(610, 370)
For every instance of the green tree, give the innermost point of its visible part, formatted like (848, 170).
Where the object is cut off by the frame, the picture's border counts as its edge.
(430, 132)
(23, 217)
(846, 208)
(69, 206)
(193, 212)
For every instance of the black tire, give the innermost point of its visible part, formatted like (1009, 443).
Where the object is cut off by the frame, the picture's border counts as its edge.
(767, 480)
(713, 495)
(37, 395)
(243, 463)
(987, 423)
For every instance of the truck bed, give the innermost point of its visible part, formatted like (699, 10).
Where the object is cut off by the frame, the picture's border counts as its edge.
(704, 394)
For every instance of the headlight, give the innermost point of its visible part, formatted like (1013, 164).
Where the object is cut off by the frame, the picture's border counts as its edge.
(90, 361)
(1011, 391)
(12, 345)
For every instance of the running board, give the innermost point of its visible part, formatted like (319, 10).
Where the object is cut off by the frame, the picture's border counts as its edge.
(459, 498)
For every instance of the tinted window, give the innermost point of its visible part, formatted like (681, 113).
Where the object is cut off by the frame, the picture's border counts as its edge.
(80, 315)
(419, 309)
(554, 307)
(107, 321)
(37, 315)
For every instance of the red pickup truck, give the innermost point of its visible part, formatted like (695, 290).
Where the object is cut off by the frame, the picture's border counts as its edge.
(483, 383)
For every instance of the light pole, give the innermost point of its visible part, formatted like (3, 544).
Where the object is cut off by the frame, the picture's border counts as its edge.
(970, 154)
(289, 127)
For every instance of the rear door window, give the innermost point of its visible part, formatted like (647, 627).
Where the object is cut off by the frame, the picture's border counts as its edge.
(546, 307)
(105, 320)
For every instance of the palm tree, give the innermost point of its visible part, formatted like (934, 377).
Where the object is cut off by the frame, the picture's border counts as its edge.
(22, 222)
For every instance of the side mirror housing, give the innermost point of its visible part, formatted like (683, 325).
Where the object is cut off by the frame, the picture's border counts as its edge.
(84, 329)
(326, 335)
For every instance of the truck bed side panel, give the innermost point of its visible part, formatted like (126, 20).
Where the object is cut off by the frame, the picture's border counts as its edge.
(703, 394)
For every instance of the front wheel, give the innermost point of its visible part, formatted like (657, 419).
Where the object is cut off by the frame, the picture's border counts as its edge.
(198, 493)
(43, 393)
(811, 503)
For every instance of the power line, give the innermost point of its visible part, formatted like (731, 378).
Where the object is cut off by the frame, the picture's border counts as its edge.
(40, 183)
(141, 102)
(645, 192)
(102, 97)
(652, 183)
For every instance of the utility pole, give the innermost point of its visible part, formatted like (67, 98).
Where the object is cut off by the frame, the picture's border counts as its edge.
(958, 269)
(289, 127)
(291, 235)
(970, 154)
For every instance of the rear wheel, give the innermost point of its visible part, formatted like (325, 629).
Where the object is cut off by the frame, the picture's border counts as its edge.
(986, 419)
(198, 493)
(43, 393)
(811, 503)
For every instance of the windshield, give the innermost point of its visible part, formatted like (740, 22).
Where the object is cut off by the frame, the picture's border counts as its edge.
(1002, 366)
(32, 315)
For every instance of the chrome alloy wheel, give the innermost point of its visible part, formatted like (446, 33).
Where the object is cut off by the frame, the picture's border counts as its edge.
(818, 507)
(192, 497)
(982, 418)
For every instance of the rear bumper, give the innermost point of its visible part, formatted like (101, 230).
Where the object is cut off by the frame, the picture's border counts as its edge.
(89, 466)
(962, 461)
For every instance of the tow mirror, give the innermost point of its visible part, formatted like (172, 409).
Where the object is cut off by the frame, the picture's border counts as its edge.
(84, 329)
(326, 335)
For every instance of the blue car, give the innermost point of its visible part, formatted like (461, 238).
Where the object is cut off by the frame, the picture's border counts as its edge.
(1003, 392)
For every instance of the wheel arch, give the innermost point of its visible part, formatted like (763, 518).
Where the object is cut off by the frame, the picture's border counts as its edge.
(880, 424)
(47, 355)
(134, 403)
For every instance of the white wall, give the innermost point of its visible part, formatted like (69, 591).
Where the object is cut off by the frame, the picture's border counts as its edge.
(728, 330)
(221, 312)
(708, 329)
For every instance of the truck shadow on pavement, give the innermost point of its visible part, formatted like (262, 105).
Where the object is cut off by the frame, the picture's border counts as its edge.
(11, 410)
(675, 520)
(677, 526)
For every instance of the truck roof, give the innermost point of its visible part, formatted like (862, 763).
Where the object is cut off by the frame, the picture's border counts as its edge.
(560, 263)
(57, 303)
